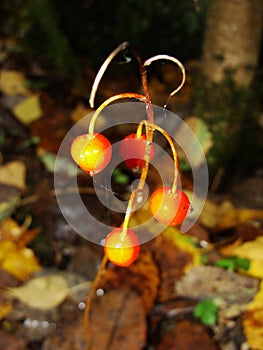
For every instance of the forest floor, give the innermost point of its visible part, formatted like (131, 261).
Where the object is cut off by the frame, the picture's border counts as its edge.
(198, 290)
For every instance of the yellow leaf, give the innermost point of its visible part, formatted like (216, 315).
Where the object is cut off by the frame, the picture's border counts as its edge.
(21, 263)
(5, 309)
(13, 174)
(229, 249)
(12, 83)
(28, 110)
(253, 251)
(221, 216)
(5, 248)
(253, 321)
(42, 293)
(9, 229)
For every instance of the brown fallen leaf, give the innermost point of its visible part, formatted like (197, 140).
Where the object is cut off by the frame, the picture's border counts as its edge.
(142, 276)
(174, 255)
(233, 290)
(185, 335)
(117, 321)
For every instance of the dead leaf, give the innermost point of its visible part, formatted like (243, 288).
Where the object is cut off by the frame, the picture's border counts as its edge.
(117, 321)
(222, 216)
(5, 309)
(173, 259)
(13, 174)
(187, 336)
(142, 276)
(253, 251)
(209, 282)
(43, 292)
(15, 258)
(10, 230)
(11, 341)
(253, 321)
(185, 243)
(28, 110)
(21, 263)
(12, 83)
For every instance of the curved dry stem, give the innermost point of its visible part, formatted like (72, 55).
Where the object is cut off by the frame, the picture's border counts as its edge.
(109, 101)
(174, 60)
(92, 291)
(170, 141)
(102, 70)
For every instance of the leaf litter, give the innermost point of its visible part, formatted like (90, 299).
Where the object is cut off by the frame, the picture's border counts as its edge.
(165, 270)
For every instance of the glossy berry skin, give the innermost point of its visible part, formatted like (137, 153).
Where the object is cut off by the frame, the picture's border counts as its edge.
(169, 209)
(121, 250)
(132, 151)
(92, 153)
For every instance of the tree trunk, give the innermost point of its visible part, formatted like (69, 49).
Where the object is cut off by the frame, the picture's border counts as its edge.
(232, 40)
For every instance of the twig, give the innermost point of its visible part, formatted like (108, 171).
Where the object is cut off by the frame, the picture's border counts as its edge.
(92, 291)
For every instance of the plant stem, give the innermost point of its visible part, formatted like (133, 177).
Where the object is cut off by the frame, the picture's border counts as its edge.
(92, 291)
(109, 101)
(175, 157)
(102, 70)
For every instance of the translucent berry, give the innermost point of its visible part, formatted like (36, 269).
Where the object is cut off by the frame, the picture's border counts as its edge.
(121, 249)
(168, 208)
(92, 153)
(132, 151)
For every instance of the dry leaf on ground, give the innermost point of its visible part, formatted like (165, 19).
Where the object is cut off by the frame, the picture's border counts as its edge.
(28, 110)
(43, 292)
(142, 276)
(117, 321)
(13, 174)
(5, 309)
(253, 251)
(13, 83)
(233, 290)
(222, 216)
(186, 335)
(253, 321)
(15, 258)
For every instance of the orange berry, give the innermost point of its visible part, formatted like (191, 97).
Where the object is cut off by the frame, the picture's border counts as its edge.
(121, 249)
(168, 208)
(92, 153)
(132, 150)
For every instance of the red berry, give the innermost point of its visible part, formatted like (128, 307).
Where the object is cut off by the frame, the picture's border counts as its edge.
(168, 208)
(91, 152)
(132, 151)
(121, 249)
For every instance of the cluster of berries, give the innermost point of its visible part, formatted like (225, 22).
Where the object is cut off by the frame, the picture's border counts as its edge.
(92, 152)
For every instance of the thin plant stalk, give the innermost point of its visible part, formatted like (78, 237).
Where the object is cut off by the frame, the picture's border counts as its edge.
(102, 70)
(109, 101)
